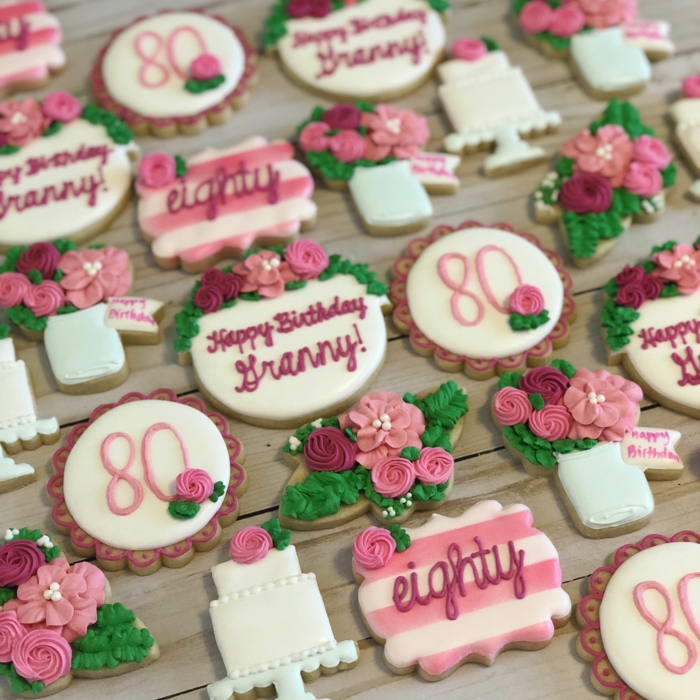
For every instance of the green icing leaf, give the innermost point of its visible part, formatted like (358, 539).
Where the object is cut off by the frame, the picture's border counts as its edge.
(565, 166)
(536, 401)
(491, 44)
(535, 449)
(510, 379)
(297, 284)
(669, 175)
(218, 492)
(401, 537)
(35, 276)
(182, 344)
(4, 331)
(611, 288)
(198, 86)
(519, 322)
(564, 367)
(558, 43)
(350, 434)
(180, 166)
(19, 684)
(117, 130)
(445, 406)
(410, 453)
(616, 319)
(183, 510)
(564, 446)
(439, 5)
(625, 115)
(6, 594)
(322, 493)
(429, 492)
(8, 150)
(670, 290)
(280, 536)
(584, 231)
(52, 129)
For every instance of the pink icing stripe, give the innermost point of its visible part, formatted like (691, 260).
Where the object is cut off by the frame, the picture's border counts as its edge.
(20, 9)
(460, 289)
(170, 47)
(481, 272)
(145, 458)
(685, 603)
(50, 35)
(118, 474)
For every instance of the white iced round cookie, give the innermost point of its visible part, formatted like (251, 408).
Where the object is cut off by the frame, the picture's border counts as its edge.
(377, 48)
(658, 666)
(445, 304)
(62, 185)
(270, 375)
(147, 65)
(89, 472)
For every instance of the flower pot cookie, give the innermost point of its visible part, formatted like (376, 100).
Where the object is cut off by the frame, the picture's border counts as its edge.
(66, 169)
(221, 202)
(74, 302)
(499, 588)
(685, 114)
(165, 477)
(581, 426)
(372, 50)
(57, 621)
(175, 72)
(640, 631)
(269, 620)
(484, 301)
(388, 454)
(285, 336)
(609, 175)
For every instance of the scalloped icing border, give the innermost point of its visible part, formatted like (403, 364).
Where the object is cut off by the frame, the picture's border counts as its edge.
(112, 559)
(476, 368)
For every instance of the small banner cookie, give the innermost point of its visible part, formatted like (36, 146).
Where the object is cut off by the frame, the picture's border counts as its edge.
(685, 114)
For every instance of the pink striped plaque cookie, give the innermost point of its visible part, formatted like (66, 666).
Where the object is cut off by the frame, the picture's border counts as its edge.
(459, 590)
(221, 202)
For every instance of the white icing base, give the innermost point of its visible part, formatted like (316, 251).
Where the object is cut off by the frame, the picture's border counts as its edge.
(9, 470)
(28, 431)
(511, 150)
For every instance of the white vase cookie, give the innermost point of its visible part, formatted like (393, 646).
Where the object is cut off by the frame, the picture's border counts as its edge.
(175, 72)
(685, 114)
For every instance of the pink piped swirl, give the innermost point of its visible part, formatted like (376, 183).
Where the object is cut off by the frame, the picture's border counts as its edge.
(11, 630)
(551, 423)
(343, 116)
(209, 298)
(250, 544)
(535, 17)
(43, 299)
(648, 149)
(43, 257)
(19, 561)
(373, 548)
(329, 450)
(13, 287)
(548, 382)
(691, 86)
(526, 300)
(511, 406)
(643, 179)
(42, 655)
(205, 67)
(566, 21)
(313, 137)
(157, 170)
(347, 146)
(586, 193)
(306, 258)
(194, 485)
(434, 466)
(61, 107)
(468, 49)
(393, 476)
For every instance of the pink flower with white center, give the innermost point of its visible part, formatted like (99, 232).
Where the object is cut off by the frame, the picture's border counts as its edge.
(265, 273)
(680, 265)
(396, 132)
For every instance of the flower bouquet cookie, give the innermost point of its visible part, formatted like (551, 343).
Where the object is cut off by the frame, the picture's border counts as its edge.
(388, 453)
(373, 49)
(74, 302)
(286, 335)
(685, 114)
(221, 202)
(499, 587)
(164, 476)
(175, 72)
(482, 300)
(609, 175)
(57, 621)
(640, 631)
(582, 427)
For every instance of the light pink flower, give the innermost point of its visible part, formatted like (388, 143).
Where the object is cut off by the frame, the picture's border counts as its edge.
(21, 122)
(607, 13)
(92, 275)
(157, 170)
(567, 21)
(265, 273)
(13, 287)
(648, 149)
(347, 146)
(467, 49)
(396, 132)
(535, 17)
(61, 107)
(680, 265)
(691, 86)
(306, 258)
(643, 179)
(43, 299)
(205, 67)
(313, 137)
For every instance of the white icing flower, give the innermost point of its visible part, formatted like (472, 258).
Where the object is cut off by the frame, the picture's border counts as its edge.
(317, 423)
(294, 442)
(53, 592)
(44, 541)
(596, 398)
(92, 268)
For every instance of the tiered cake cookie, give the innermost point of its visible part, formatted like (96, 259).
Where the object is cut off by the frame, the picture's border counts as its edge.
(686, 116)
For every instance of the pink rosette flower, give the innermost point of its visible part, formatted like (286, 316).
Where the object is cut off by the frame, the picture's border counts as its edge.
(631, 295)
(43, 299)
(648, 149)
(393, 476)
(61, 598)
(607, 13)
(13, 287)
(208, 298)
(511, 406)
(396, 132)
(43, 257)
(525, 300)
(342, 116)
(347, 146)
(19, 561)
(92, 275)
(585, 193)
(21, 122)
(680, 265)
(384, 425)
(306, 258)
(643, 179)
(329, 450)
(297, 9)
(608, 153)
(42, 655)
(228, 284)
(205, 67)
(535, 17)
(313, 137)
(652, 287)
(566, 21)
(11, 631)
(630, 275)
(373, 548)
(468, 49)
(250, 544)
(61, 107)
(194, 485)
(265, 273)
(548, 382)
(434, 466)
(691, 86)
(212, 277)
(551, 422)
(157, 170)
(231, 286)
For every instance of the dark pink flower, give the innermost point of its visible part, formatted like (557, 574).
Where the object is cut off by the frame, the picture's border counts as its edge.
(585, 193)
(43, 257)
(630, 275)
(61, 107)
(208, 298)
(342, 116)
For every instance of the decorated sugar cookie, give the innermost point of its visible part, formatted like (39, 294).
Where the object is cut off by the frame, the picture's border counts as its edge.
(582, 427)
(686, 116)
(607, 176)
(14, 475)
(484, 301)
(285, 336)
(164, 476)
(372, 49)
(65, 169)
(388, 454)
(459, 590)
(30, 46)
(175, 72)
(490, 103)
(221, 202)
(640, 631)
(608, 46)
(74, 301)
(270, 622)
(57, 621)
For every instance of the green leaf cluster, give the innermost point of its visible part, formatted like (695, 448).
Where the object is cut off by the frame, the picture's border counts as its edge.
(302, 434)
(623, 114)
(401, 537)
(198, 86)
(19, 684)
(528, 322)
(183, 510)
(218, 492)
(584, 231)
(616, 319)
(280, 536)
(117, 130)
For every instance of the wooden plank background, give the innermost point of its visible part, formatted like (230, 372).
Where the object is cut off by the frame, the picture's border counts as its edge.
(174, 603)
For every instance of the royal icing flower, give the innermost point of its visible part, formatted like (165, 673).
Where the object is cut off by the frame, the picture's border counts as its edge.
(61, 107)
(42, 655)
(467, 49)
(205, 67)
(313, 137)
(526, 300)
(194, 485)
(511, 406)
(157, 170)
(535, 17)
(306, 258)
(396, 132)
(250, 545)
(680, 265)
(43, 257)
(551, 422)
(11, 631)
(548, 382)
(265, 273)
(342, 116)
(631, 295)
(208, 298)
(434, 466)
(297, 9)
(648, 149)
(384, 425)
(21, 122)
(92, 275)
(373, 548)
(13, 287)
(566, 21)
(19, 561)
(225, 286)
(630, 275)
(608, 153)
(393, 476)
(586, 193)
(347, 146)
(61, 598)
(643, 179)
(44, 299)
(607, 13)
(329, 450)
(691, 86)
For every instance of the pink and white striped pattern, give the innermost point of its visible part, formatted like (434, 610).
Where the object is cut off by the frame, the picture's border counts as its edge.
(490, 618)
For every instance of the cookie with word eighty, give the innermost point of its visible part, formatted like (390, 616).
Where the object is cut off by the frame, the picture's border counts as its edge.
(685, 114)
(221, 202)
(74, 302)
(175, 72)
(612, 173)
(484, 301)
(500, 588)
(647, 595)
(388, 454)
(166, 475)
(57, 621)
